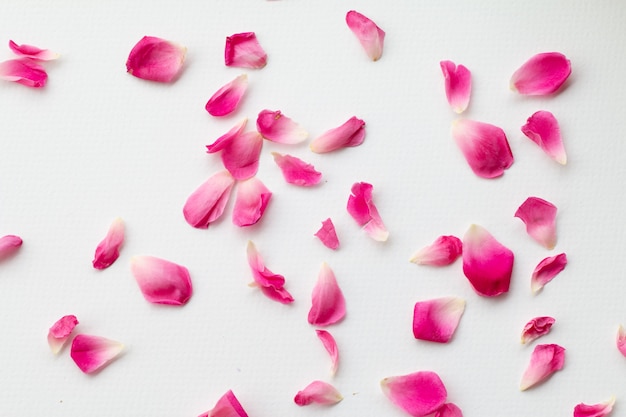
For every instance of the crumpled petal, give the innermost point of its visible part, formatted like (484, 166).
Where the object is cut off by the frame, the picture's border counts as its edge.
(225, 140)
(318, 392)
(621, 340)
(542, 74)
(370, 36)
(539, 216)
(595, 410)
(206, 204)
(328, 235)
(443, 251)
(296, 171)
(458, 83)
(419, 394)
(449, 410)
(484, 147)
(546, 270)
(241, 156)
(271, 284)
(544, 361)
(276, 127)
(331, 347)
(487, 264)
(60, 332)
(537, 327)
(161, 281)
(29, 51)
(251, 201)
(227, 406)
(108, 250)
(328, 305)
(543, 129)
(156, 59)
(9, 244)
(23, 71)
(226, 100)
(351, 133)
(90, 353)
(362, 209)
(436, 320)
(243, 50)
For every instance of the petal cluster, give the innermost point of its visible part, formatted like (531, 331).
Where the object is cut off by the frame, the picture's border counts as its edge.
(539, 216)
(156, 59)
(349, 134)
(60, 332)
(271, 284)
(276, 127)
(296, 171)
(370, 36)
(227, 406)
(546, 270)
(226, 100)
(328, 235)
(443, 251)
(543, 129)
(458, 84)
(536, 327)
(362, 209)
(436, 320)
(91, 353)
(544, 361)
(244, 50)
(161, 281)
(318, 392)
(108, 250)
(328, 305)
(207, 203)
(542, 74)
(419, 394)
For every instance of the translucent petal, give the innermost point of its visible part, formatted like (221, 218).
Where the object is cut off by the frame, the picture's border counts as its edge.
(108, 250)
(251, 201)
(276, 127)
(328, 235)
(546, 270)
(243, 50)
(362, 209)
(23, 71)
(458, 83)
(156, 59)
(370, 36)
(351, 133)
(419, 394)
(60, 332)
(331, 347)
(318, 392)
(542, 74)
(443, 251)
(296, 171)
(161, 281)
(91, 353)
(544, 361)
(537, 327)
(328, 305)
(207, 203)
(543, 129)
(436, 320)
(226, 100)
(539, 216)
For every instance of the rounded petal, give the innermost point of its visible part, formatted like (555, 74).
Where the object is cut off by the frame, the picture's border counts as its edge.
(108, 250)
(207, 203)
(539, 216)
(161, 281)
(419, 394)
(226, 100)
(91, 353)
(243, 50)
(9, 244)
(276, 127)
(241, 156)
(436, 320)
(351, 133)
(30, 51)
(156, 59)
(251, 201)
(328, 305)
(60, 332)
(537, 327)
(370, 36)
(444, 251)
(543, 129)
(546, 270)
(542, 74)
(328, 235)
(449, 410)
(458, 84)
(544, 361)
(594, 410)
(318, 392)
(24, 71)
(296, 171)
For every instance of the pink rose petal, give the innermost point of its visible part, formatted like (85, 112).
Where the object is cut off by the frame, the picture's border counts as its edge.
(161, 281)
(251, 202)
(243, 50)
(546, 270)
(542, 74)
(23, 71)
(436, 320)
(544, 361)
(156, 59)
(370, 36)
(328, 235)
(318, 392)
(444, 251)
(537, 327)
(543, 129)
(91, 353)
(9, 244)
(540, 218)
(271, 284)
(328, 305)
(60, 332)
(458, 83)
(296, 171)
(108, 250)
(621, 340)
(362, 209)
(226, 100)
(449, 410)
(276, 127)
(484, 147)
(487, 264)
(227, 406)
(331, 347)
(241, 156)
(351, 133)
(206, 204)
(419, 394)
(226, 139)
(595, 410)
(29, 51)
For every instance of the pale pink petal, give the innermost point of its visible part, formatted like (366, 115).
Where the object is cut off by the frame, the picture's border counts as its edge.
(206, 204)
(328, 305)
(443, 251)
(542, 74)
(540, 218)
(296, 171)
(275, 126)
(621, 340)
(243, 50)
(351, 133)
(544, 361)
(328, 235)
(419, 394)
(241, 156)
(484, 147)
(271, 284)
(318, 392)
(227, 99)
(595, 410)
(458, 83)
(156, 59)
(91, 353)
(362, 209)
(227, 406)
(537, 327)
(23, 71)
(161, 281)
(370, 36)
(436, 320)
(251, 202)
(9, 244)
(543, 129)
(331, 347)
(225, 140)
(449, 410)
(108, 250)
(487, 264)
(546, 270)
(33, 52)
(60, 332)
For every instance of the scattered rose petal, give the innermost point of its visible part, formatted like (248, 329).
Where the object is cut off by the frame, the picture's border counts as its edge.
(362, 209)
(543, 129)
(328, 305)
(449, 410)
(458, 82)
(23, 71)
(546, 270)
(536, 328)
(206, 204)
(251, 202)
(156, 59)
(318, 392)
(540, 218)
(542, 74)
(544, 361)
(487, 264)
(370, 36)
(241, 156)
(595, 410)
(275, 126)
(60, 332)
(419, 394)
(296, 171)
(227, 406)
(225, 140)
(436, 320)
(444, 251)
(161, 281)
(29, 51)
(331, 347)
(484, 146)
(91, 353)
(243, 50)
(621, 340)
(108, 250)
(328, 235)
(271, 284)
(9, 244)
(351, 133)
(227, 99)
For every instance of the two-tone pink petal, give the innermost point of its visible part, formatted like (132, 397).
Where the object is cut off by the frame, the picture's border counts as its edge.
(60, 332)
(276, 127)
(419, 394)
(271, 284)
(251, 201)
(156, 59)
(362, 209)
(225, 140)
(9, 244)
(227, 406)
(161, 281)
(91, 353)
(539, 216)
(328, 305)
(226, 100)
(349, 134)
(23, 71)
(318, 392)
(536, 327)
(328, 235)
(244, 50)
(621, 340)
(546, 270)
(436, 320)
(297, 172)
(543, 129)
(330, 345)
(207, 203)
(240, 152)
(33, 52)
(371, 37)
(449, 410)
(458, 84)
(542, 74)
(443, 251)
(108, 250)
(594, 410)
(544, 361)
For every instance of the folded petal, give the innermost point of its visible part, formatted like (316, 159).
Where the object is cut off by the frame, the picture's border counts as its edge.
(206, 204)
(9, 244)
(362, 209)
(23, 71)
(594, 410)
(484, 146)
(243, 50)
(227, 406)
(226, 100)
(458, 83)
(241, 156)
(351, 133)
(318, 392)
(156, 59)
(436, 320)
(542, 74)
(328, 305)
(328, 235)
(161, 281)
(539, 216)
(544, 361)
(487, 264)
(331, 347)
(543, 129)
(108, 250)
(621, 340)
(546, 270)
(370, 36)
(296, 171)
(225, 140)
(60, 332)
(536, 328)
(419, 394)
(251, 202)
(29, 51)
(275, 126)
(449, 410)
(91, 353)
(271, 284)
(444, 251)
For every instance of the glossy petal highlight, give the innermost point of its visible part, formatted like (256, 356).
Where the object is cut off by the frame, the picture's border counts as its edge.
(546, 270)
(537, 327)
(30, 51)
(328, 305)
(243, 50)
(419, 394)
(296, 171)
(542, 74)
(60, 332)
(318, 392)
(449, 410)
(458, 83)
(544, 361)
(362, 209)
(91, 353)
(108, 250)
(543, 129)
(226, 100)
(331, 347)
(251, 202)
(161, 281)
(23, 71)
(539, 216)
(328, 235)
(621, 340)
(594, 410)
(9, 244)
(370, 36)
(207, 203)
(443, 251)
(436, 320)
(276, 127)
(156, 59)
(271, 284)
(351, 133)
(227, 406)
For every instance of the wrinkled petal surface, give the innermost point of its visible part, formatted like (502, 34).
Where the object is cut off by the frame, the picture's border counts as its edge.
(251, 201)
(296, 171)
(537, 327)
(621, 340)
(206, 204)
(594, 410)
(543, 129)
(362, 209)
(271, 284)
(419, 394)
(546, 270)
(458, 83)
(108, 250)
(539, 216)
(60, 332)
(91, 353)
(542, 74)
(443, 251)
(328, 235)
(331, 347)
(351, 133)
(328, 304)
(436, 320)
(227, 406)
(241, 156)
(276, 127)
(318, 392)
(24, 71)
(544, 361)
(225, 140)
(226, 100)
(9, 244)
(449, 410)
(29, 51)
(156, 59)
(161, 281)
(370, 36)
(243, 50)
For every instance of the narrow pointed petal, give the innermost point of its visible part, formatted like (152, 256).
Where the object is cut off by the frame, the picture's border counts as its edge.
(328, 305)
(419, 394)
(276, 127)
(60, 332)
(243, 50)
(543, 129)
(241, 156)
(29, 51)
(458, 83)
(91, 353)
(206, 204)
(108, 250)
(542, 74)
(444, 251)
(594, 410)
(621, 340)
(226, 139)
(362, 209)
(251, 202)
(271, 284)
(487, 264)
(449, 410)
(227, 406)
(318, 392)
(484, 147)
(436, 320)
(370, 36)
(544, 361)
(537, 327)
(546, 270)
(331, 347)
(351, 133)
(226, 100)
(9, 244)
(539, 216)
(23, 71)
(328, 235)
(161, 281)
(156, 59)
(296, 171)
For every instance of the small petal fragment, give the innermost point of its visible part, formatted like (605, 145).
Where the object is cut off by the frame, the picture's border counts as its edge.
(544, 361)
(276, 127)
(449, 410)
(539, 216)
(29, 51)
(621, 340)
(331, 347)
(542, 74)
(536, 328)
(444, 251)
(328, 235)
(296, 171)
(108, 250)
(243, 50)
(362, 209)
(227, 406)
(156, 59)
(23, 71)
(271, 284)
(318, 392)
(91, 353)
(370, 36)
(543, 129)
(226, 100)
(351, 133)
(484, 146)
(595, 410)
(9, 244)
(60, 332)
(241, 156)
(206, 204)
(436, 320)
(458, 83)
(251, 202)
(487, 264)
(419, 394)
(161, 281)
(546, 270)
(328, 304)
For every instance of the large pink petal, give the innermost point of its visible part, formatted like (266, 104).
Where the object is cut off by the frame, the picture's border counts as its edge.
(108, 250)
(370, 36)
(458, 83)
(23, 71)
(362, 209)
(542, 74)
(243, 50)
(449, 410)
(156, 59)
(594, 410)
(436, 320)
(419, 394)
(484, 146)
(206, 204)
(225, 140)
(443, 251)
(251, 202)
(296, 171)
(328, 305)
(226, 100)
(543, 129)
(161, 281)
(318, 392)
(275, 126)
(9, 244)
(487, 264)
(241, 155)
(537, 327)
(29, 51)
(351, 133)
(544, 361)
(60, 332)
(539, 216)
(328, 235)
(90, 353)
(331, 347)
(621, 340)
(271, 284)
(546, 270)
(227, 406)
